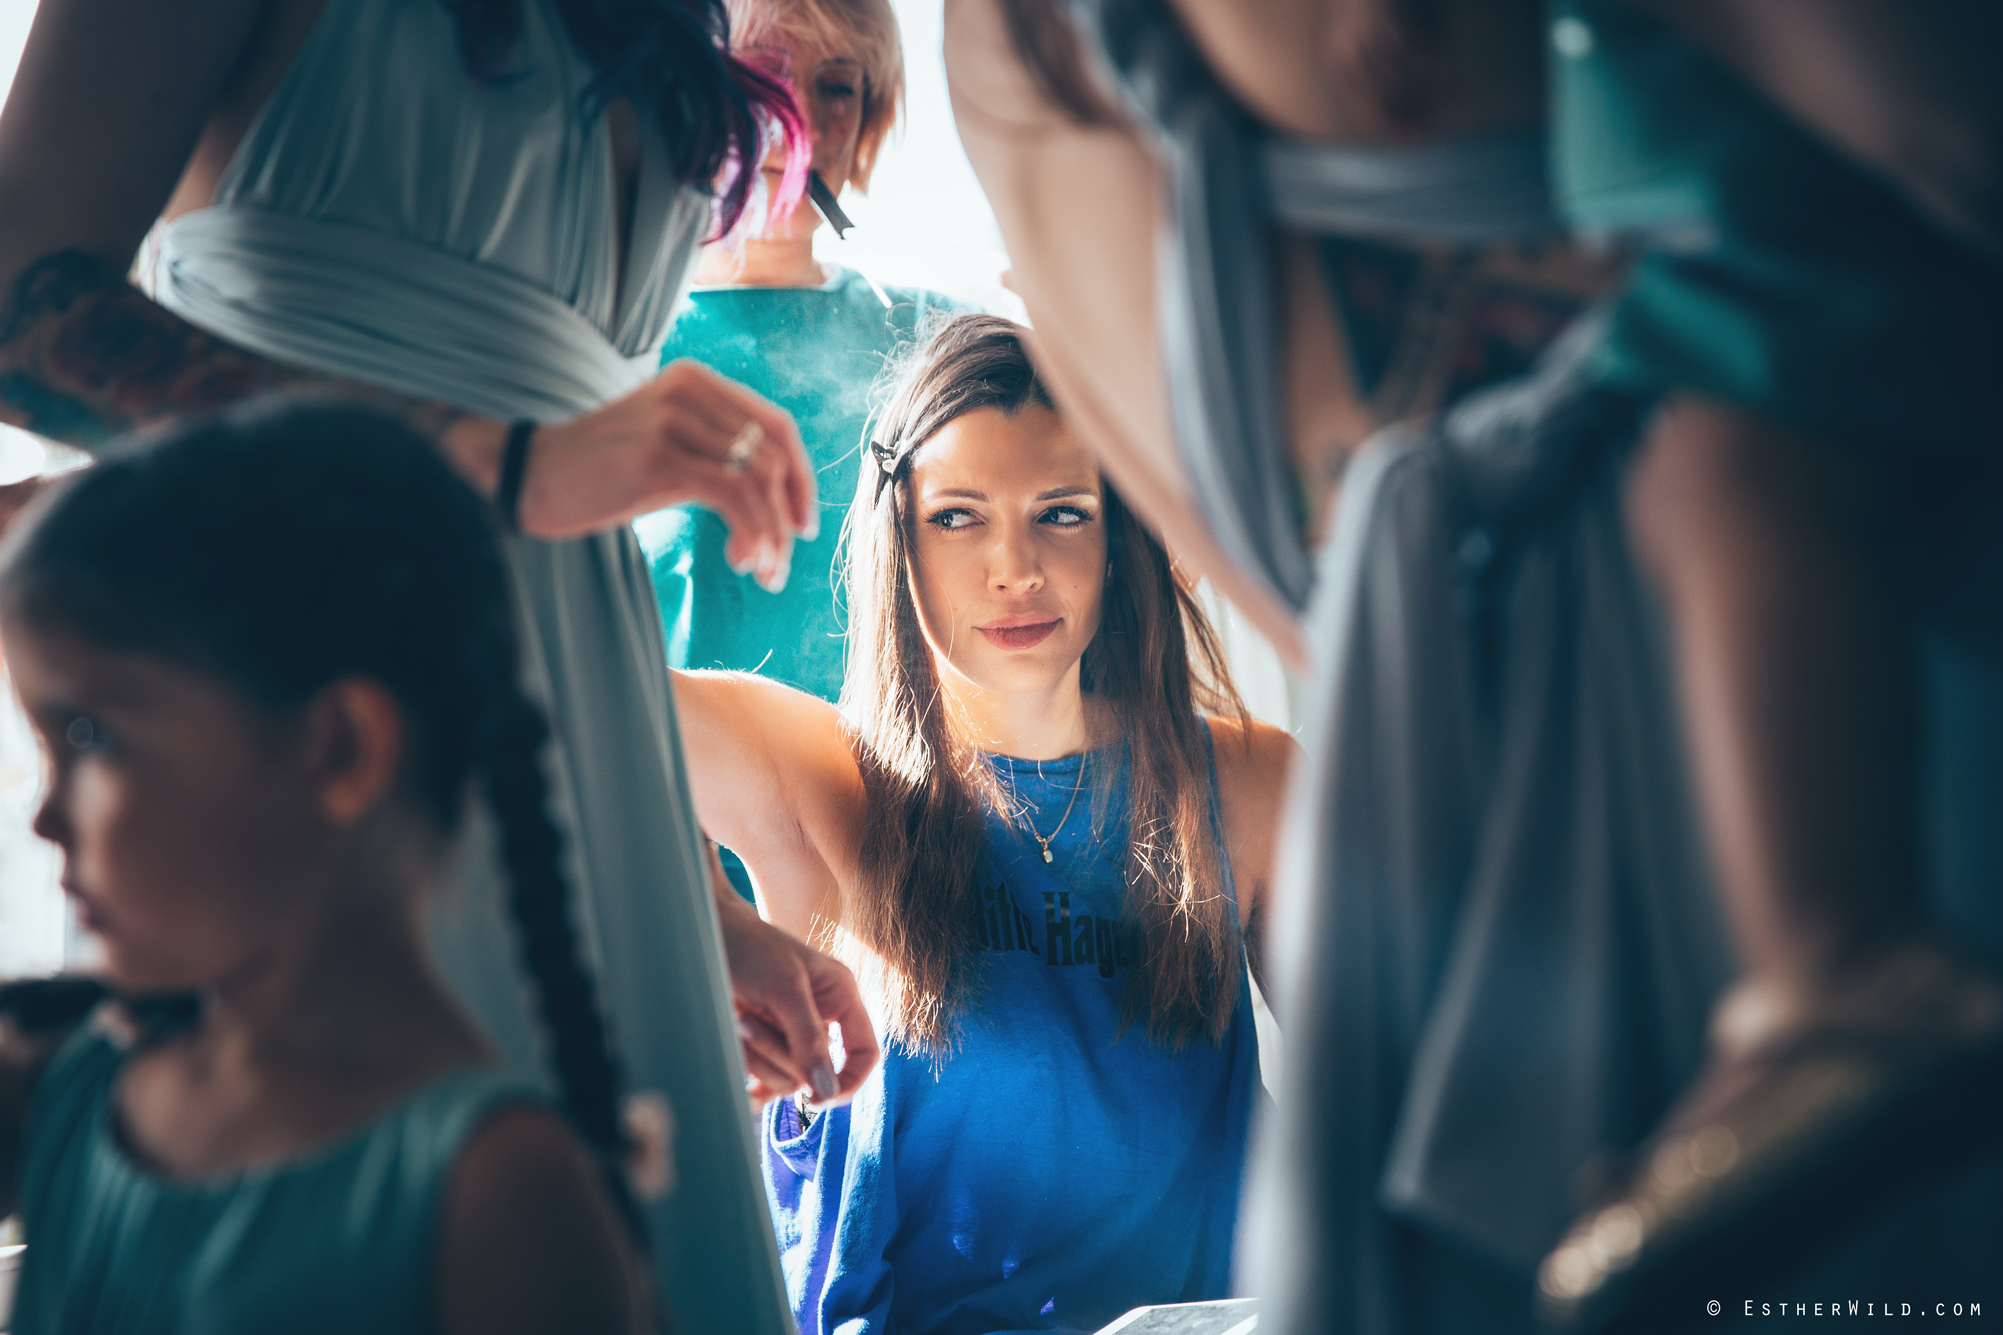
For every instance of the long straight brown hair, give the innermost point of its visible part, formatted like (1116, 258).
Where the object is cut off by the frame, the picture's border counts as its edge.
(907, 924)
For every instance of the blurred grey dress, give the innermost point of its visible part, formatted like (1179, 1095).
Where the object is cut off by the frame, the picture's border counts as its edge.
(1497, 940)
(387, 219)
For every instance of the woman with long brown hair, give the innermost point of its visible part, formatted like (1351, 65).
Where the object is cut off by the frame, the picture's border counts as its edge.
(1038, 828)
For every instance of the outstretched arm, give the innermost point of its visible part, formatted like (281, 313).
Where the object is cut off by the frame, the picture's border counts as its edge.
(774, 779)
(787, 994)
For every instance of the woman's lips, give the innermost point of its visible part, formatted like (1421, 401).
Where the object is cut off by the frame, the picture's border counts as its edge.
(1013, 634)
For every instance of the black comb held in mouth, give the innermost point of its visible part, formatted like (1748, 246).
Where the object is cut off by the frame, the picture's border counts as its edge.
(824, 200)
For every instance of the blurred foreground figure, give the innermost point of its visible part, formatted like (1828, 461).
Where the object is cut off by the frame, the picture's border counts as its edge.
(1505, 943)
(279, 1118)
(479, 215)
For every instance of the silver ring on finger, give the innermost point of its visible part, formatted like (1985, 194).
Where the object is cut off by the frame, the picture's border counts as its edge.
(742, 446)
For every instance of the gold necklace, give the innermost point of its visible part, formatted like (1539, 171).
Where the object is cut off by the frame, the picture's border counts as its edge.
(1023, 811)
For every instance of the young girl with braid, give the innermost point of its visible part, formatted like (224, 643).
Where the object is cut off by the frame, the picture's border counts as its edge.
(1022, 831)
(255, 768)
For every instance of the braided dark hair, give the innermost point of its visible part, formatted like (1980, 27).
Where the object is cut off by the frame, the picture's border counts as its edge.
(281, 547)
(670, 57)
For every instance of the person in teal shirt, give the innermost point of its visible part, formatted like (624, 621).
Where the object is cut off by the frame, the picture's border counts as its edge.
(816, 351)
(810, 337)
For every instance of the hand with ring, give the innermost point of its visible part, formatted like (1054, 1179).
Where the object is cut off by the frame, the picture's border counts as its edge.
(742, 446)
(687, 435)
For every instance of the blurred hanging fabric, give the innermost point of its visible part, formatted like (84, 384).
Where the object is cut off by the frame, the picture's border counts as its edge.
(1499, 940)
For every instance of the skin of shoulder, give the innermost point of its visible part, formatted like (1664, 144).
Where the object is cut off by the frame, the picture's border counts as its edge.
(774, 778)
(531, 1244)
(1254, 762)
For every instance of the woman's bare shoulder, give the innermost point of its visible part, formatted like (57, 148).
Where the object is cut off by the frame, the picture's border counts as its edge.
(1254, 762)
(1251, 753)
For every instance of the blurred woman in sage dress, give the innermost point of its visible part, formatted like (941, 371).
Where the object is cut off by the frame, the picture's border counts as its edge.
(476, 214)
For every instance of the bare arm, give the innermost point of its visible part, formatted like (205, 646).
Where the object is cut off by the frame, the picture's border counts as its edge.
(110, 102)
(1253, 764)
(531, 1244)
(774, 779)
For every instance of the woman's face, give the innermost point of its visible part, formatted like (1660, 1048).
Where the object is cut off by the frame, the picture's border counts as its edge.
(1008, 548)
(829, 86)
(182, 817)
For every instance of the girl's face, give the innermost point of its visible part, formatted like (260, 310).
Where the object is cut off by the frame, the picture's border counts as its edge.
(1008, 548)
(829, 86)
(182, 816)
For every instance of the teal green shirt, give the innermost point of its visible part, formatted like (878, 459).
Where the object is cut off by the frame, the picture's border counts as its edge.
(816, 352)
(337, 1241)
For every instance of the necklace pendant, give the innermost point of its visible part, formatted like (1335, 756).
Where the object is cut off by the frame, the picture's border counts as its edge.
(1046, 853)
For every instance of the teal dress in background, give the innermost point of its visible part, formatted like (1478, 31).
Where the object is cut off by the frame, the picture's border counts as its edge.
(339, 1240)
(1777, 274)
(816, 352)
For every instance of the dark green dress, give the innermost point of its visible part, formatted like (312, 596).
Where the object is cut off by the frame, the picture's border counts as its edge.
(340, 1240)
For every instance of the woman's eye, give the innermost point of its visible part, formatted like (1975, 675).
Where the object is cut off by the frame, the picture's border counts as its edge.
(837, 90)
(949, 520)
(1066, 516)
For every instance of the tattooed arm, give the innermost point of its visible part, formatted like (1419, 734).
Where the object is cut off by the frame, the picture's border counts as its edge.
(118, 102)
(112, 99)
(85, 356)
(122, 106)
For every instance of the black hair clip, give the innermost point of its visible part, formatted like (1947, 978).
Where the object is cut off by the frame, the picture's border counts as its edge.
(824, 200)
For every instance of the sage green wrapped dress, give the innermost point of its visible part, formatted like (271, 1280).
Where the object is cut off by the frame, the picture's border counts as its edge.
(390, 219)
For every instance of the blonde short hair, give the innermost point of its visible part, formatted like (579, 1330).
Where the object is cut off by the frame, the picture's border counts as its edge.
(862, 30)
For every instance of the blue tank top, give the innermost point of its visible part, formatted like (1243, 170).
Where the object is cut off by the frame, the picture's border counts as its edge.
(1051, 1173)
(339, 1239)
